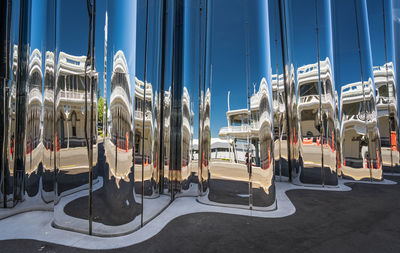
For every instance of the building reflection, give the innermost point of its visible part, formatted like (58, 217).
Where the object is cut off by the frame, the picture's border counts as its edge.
(316, 110)
(242, 156)
(34, 126)
(386, 105)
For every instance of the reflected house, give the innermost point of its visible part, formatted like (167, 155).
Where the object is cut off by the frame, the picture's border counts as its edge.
(359, 160)
(280, 126)
(70, 100)
(309, 100)
(34, 113)
(48, 126)
(120, 117)
(147, 119)
(245, 125)
(48, 101)
(240, 169)
(316, 111)
(10, 125)
(34, 126)
(386, 104)
(70, 138)
(187, 129)
(278, 102)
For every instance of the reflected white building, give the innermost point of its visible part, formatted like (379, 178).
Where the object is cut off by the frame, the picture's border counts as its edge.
(245, 124)
(70, 99)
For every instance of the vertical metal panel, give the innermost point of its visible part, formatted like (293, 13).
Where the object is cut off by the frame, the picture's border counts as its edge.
(311, 100)
(9, 102)
(396, 39)
(21, 99)
(382, 48)
(48, 105)
(240, 169)
(278, 94)
(72, 116)
(149, 107)
(6, 15)
(34, 107)
(189, 185)
(116, 208)
(359, 137)
(327, 91)
(303, 45)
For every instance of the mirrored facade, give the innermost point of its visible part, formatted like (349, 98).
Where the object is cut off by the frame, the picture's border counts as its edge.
(110, 116)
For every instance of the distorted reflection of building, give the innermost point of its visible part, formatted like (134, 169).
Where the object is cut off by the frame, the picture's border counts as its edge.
(34, 127)
(242, 155)
(360, 145)
(244, 124)
(316, 111)
(143, 101)
(34, 113)
(280, 127)
(386, 104)
(9, 129)
(70, 100)
(48, 126)
(72, 120)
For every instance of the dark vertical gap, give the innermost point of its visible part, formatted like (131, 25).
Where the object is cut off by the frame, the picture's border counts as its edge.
(162, 88)
(362, 83)
(283, 47)
(322, 128)
(144, 107)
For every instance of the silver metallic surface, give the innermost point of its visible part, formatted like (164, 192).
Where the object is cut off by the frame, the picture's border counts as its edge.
(240, 160)
(312, 96)
(359, 145)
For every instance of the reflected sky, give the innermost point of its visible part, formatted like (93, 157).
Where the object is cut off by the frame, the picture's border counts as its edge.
(228, 49)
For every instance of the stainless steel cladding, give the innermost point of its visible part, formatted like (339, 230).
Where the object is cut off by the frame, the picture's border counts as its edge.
(73, 116)
(239, 156)
(383, 58)
(311, 89)
(9, 47)
(359, 144)
(186, 99)
(279, 97)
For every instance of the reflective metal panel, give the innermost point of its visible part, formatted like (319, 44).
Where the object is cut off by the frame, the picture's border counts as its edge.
(34, 106)
(189, 100)
(241, 159)
(8, 23)
(301, 25)
(21, 100)
(396, 45)
(116, 208)
(48, 105)
(382, 48)
(279, 97)
(360, 156)
(309, 31)
(72, 116)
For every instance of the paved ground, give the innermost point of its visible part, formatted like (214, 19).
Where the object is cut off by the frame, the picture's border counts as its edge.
(366, 219)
